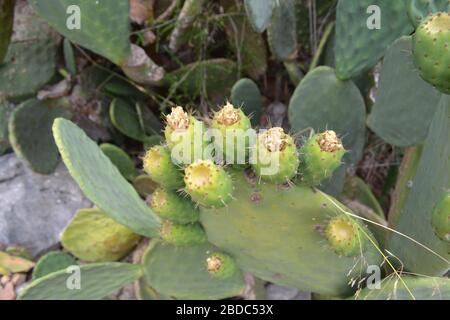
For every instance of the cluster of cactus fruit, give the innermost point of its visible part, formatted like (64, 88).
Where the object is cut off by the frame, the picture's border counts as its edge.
(224, 199)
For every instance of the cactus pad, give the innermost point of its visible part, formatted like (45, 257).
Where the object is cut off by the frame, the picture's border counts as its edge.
(101, 181)
(96, 282)
(431, 182)
(125, 119)
(245, 94)
(52, 262)
(259, 13)
(402, 116)
(182, 273)
(93, 236)
(30, 133)
(280, 238)
(357, 47)
(27, 67)
(408, 288)
(104, 25)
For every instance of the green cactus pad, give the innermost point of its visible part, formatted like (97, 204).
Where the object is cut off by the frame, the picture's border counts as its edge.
(158, 165)
(220, 265)
(182, 234)
(28, 66)
(245, 94)
(277, 233)
(275, 157)
(186, 137)
(415, 219)
(259, 13)
(357, 47)
(104, 25)
(282, 31)
(181, 273)
(52, 262)
(30, 133)
(431, 51)
(215, 76)
(101, 181)
(96, 282)
(401, 116)
(93, 236)
(337, 106)
(441, 218)
(208, 184)
(121, 160)
(6, 21)
(125, 119)
(408, 288)
(171, 206)
(419, 10)
(320, 156)
(232, 143)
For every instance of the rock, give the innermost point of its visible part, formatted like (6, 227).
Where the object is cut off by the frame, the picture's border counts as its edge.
(274, 292)
(35, 208)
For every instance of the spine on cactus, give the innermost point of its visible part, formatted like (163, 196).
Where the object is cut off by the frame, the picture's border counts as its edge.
(441, 219)
(169, 205)
(232, 138)
(159, 166)
(431, 50)
(208, 184)
(220, 265)
(182, 234)
(186, 137)
(320, 157)
(275, 157)
(345, 236)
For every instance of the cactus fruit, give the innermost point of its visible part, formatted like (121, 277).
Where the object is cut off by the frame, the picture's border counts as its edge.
(441, 218)
(320, 157)
(208, 184)
(158, 165)
(345, 237)
(232, 143)
(431, 50)
(171, 206)
(182, 234)
(185, 136)
(276, 157)
(221, 265)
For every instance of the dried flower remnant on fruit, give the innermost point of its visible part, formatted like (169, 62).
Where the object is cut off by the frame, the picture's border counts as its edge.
(329, 142)
(214, 263)
(275, 140)
(228, 115)
(178, 119)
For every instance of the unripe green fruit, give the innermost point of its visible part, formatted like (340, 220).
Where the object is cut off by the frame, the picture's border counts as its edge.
(320, 157)
(275, 158)
(159, 166)
(441, 219)
(233, 142)
(186, 138)
(208, 184)
(431, 50)
(344, 235)
(169, 205)
(182, 234)
(221, 266)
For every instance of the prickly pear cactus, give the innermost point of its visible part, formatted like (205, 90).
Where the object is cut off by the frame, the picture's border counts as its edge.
(419, 10)
(52, 262)
(6, 21)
